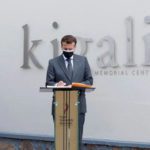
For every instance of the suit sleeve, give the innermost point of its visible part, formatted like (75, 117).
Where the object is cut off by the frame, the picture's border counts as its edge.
(88, 79)
(50, 76)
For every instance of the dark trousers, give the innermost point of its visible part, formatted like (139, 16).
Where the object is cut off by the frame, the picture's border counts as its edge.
(80, 125)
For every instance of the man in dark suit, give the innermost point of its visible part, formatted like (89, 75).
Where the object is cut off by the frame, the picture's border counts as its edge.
(68, 68)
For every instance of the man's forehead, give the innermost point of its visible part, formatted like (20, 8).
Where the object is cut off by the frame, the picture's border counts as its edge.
(68, 44)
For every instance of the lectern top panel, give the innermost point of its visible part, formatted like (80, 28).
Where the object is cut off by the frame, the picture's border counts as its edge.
(54, 88)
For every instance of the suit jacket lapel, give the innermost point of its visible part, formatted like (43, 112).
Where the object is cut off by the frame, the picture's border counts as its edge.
(76, 64)
(63, 66)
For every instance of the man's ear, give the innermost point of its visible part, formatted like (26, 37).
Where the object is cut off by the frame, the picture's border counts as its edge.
(75, 46)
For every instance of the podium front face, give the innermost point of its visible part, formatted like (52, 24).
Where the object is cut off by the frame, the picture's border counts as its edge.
(66, 120)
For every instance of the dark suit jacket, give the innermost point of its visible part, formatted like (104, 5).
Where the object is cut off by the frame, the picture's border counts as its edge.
(57, 71)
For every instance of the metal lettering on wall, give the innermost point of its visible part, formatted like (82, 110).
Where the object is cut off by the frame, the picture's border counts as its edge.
(109, 55)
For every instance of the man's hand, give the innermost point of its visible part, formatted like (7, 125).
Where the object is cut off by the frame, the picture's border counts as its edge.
(61, 83)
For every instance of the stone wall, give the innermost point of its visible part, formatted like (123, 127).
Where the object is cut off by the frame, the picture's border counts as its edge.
(30, 144)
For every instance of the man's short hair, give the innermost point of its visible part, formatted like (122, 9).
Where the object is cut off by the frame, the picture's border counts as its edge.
(68, 39)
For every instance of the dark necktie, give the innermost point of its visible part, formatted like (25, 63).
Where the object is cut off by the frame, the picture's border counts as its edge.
(69, 68)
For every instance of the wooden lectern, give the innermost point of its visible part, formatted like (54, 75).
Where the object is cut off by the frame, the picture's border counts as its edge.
(66, 115)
